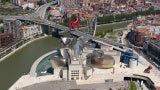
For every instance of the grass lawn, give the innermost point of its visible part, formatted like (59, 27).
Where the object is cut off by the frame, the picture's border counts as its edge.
(112, 29)
(109, 28)
(114, 32)
(132, 86)
(114, 38)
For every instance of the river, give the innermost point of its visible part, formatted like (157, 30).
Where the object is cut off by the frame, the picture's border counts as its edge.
(20, 62)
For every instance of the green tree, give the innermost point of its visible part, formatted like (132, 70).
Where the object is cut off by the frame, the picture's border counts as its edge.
(74, 17)
(66, 22)
(27, 8)
(117, 17)
(4, 1)
(1, 21)
(49, 16)
(41, 2)
(110, 18)
(1, 29)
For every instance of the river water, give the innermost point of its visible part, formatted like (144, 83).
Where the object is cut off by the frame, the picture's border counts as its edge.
(20, 63)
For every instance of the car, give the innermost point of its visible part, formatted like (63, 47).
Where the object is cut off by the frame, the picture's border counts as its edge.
(156, 64)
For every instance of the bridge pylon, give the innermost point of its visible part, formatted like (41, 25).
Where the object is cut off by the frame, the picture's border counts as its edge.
(92, 26)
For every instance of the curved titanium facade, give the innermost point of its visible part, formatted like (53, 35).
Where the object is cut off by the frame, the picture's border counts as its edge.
(100, 60)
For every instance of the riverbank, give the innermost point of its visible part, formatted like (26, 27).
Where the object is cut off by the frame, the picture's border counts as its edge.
(15, 50)
(35, 64)
(109, 28)
(19, 64)
(33, 75)
(114, 25)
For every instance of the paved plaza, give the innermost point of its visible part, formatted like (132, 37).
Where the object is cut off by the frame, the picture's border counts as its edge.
(72, 85)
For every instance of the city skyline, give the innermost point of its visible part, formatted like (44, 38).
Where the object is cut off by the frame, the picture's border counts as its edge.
(118, 42)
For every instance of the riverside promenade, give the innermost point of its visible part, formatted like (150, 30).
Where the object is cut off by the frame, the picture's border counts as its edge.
(35, 64)
(16, 49)
(31, 78)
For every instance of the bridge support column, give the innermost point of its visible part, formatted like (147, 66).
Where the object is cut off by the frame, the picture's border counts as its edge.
(46, 29)
(55, 32)
(98, 45)
(92, 26)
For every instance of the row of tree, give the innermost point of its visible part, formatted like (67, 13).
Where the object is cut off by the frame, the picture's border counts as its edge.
(125, 16)
(4, 1)
(115, 18)
(40, 2)
(1, 29)
(73, 17)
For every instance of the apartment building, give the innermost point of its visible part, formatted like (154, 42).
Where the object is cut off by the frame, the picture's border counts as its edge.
(30, 31)
(5, 39)
(68, 2)
(145, 28)
(152, 49)
(12, 26)
(25, 3)
(22, 2)
(55, 14)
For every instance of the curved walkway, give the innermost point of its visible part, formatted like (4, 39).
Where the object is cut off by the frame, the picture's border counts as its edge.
(15, 50)
(31, 79)
(35, 64)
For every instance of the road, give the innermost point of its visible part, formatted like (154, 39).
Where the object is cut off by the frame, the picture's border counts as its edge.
(145, 60)
(39, 17)
(39, 13)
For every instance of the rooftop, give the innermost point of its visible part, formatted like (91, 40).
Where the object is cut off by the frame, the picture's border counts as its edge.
(98, 79)
(3, 35)
(156, 42)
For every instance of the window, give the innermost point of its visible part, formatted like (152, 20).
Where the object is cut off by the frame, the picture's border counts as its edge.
(77, 78)
(72, 78)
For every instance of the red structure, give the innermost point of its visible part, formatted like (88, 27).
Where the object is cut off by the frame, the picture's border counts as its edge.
(147, 70)
(74, 23)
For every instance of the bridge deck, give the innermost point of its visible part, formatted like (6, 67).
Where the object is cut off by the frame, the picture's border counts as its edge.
(96, 39)
(38, 17)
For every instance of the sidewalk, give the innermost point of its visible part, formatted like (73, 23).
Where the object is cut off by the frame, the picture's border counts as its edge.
(15, 50)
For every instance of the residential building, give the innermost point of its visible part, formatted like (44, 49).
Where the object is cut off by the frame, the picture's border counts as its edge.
(145, 28)
(22, 2)
(16, 2)
(55, 15)
(138, 36)
(25, 3)
(67, 2)
(120, 1)
(5, 39)
(12, 26)
(152, 49)
(30, 31)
